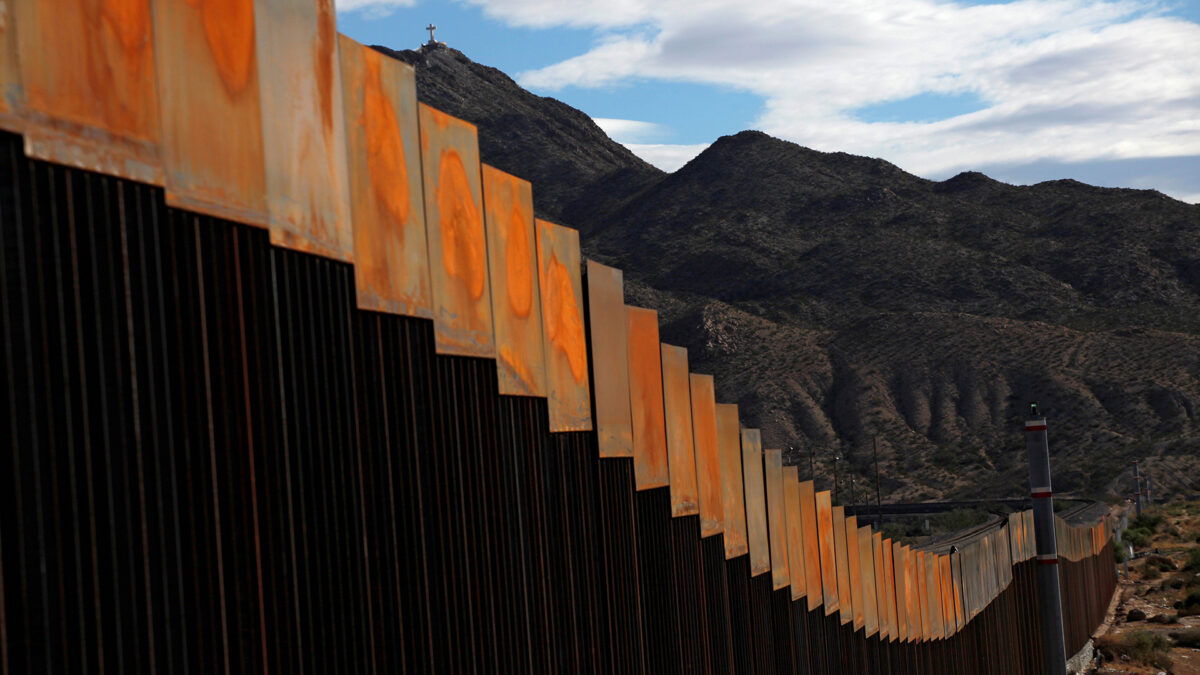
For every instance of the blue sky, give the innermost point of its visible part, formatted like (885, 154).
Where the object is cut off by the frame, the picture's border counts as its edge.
(1104, 92)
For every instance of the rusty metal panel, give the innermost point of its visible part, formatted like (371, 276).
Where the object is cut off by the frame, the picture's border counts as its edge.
(776, 525)
(949, 618)
(304, 136)
(854, 567)
(842, 566)
(391, 263)
(828, 567)
(707, 455)
(12, 98)
(921, 590)
(889, 590)
(610, 360)
(88, 76)
(810, 538)
(729, 437)
(516, 298)
(646, 396)
(210, 110)
(900, 591)
(562, 320)
(960, 615)
(912, 597)
(933, 595)
(681, 456)
(881, 573)
(866, 561)
(458, 261)
(756, 502)
(795, 532)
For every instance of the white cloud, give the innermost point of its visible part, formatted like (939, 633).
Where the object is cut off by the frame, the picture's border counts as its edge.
(630, 131)
(373, 8)
(1062, 80)
(664, 156)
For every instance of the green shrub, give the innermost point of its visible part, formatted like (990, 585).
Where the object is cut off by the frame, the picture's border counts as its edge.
(1148, 648)
(1136, 536)
(1193, 561)
(1151, 572)
(1192, 600)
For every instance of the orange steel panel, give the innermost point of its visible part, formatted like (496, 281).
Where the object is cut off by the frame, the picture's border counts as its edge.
(888, 548)
(795, 532)
(842, 566)
(756, 502)
(956, 589)
(825, 537)
(12, 98)
(458, 260)
(854, 567)
(810, 538)
(706, 434)
(570, 400)
(646, 394)
(88, 75)
(732, 498)
(920, 574)
(610, 359)
(899, 591)
(912, 598)
(681, 456)
(391, 263)
(866, 560)
(304, 136)
(949, 620)
(210, 109)
(776, 521)
(933, 595)
(516, 298)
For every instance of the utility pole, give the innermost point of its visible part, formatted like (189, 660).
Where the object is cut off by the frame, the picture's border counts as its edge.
(812, 465)
(835, 478)
(853, 492)
(878, 502)
(1050, 600)
(1137, 481)
(1149, 489)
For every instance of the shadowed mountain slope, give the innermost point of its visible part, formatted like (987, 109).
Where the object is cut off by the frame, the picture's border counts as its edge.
(841, 301)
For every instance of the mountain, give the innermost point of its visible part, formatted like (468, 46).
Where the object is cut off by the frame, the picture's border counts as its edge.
(847, 306)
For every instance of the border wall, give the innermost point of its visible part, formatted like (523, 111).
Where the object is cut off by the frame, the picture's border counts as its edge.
(293, 384)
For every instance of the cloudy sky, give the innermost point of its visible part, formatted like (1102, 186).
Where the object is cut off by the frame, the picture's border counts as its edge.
(1107, 92)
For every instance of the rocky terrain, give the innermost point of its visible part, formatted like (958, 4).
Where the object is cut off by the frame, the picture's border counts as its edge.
(845, 304)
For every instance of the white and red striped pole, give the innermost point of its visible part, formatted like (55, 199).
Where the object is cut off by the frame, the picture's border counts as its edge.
(1049, 601)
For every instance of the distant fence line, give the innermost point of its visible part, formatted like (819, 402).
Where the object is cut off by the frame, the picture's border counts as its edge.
(321, 394)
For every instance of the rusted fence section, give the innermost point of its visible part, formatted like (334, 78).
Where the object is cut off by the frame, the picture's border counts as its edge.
(294, 383)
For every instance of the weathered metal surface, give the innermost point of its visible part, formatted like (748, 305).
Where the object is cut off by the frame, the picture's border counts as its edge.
(885, 583)
(516, 296)
(810, 539)
(562, 320)
(304, 136)
(842, 566)
(610, 360)
(650, 466)
(960, 615)
(854, 567)
(756, 502)
(920, 570)
(795, 531)
(88, 76)
(912, 600)
(729, 438)
(12, 98)
(210, 109)
(681, 455)
(946, 579)
(828, 567)
(933, 595)
(391, 263)
(776, 520)
(707, 456)
(900, 591)
(458, 260)
(866, 559)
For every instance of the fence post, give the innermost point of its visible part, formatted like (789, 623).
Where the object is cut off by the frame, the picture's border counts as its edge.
(1050, 601)
(1137, 481)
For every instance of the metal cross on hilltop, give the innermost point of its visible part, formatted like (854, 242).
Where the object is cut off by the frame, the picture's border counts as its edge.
(431, 28)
